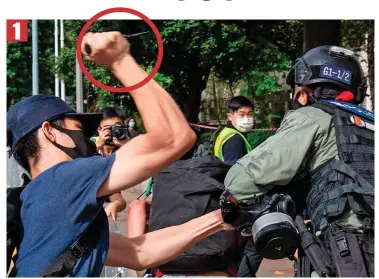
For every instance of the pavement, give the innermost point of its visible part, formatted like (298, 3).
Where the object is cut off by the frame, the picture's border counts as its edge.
(276, 268)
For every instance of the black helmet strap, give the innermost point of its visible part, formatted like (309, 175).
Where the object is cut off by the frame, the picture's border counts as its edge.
(324, 92)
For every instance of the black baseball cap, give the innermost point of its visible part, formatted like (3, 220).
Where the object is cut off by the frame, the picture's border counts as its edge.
(28, 115)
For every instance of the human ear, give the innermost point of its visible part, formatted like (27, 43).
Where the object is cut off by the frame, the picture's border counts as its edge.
(48, 131)
(303, 97)
(230, 116)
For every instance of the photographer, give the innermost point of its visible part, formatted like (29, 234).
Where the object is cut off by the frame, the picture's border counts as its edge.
(69, 185)
(106, 145)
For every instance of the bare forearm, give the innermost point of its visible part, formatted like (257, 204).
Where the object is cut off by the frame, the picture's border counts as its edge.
(156, 248)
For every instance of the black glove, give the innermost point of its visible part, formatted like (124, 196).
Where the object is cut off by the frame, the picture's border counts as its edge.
(229, 208)
(286, 205)
(243, 214)
(239, 214)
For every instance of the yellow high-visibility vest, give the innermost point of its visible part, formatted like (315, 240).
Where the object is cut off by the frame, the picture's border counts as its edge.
(223, 137)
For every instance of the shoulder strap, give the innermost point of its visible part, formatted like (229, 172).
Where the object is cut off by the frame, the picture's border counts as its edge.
(65, 263)
(352, 108)
(354, 111)
(328, 108)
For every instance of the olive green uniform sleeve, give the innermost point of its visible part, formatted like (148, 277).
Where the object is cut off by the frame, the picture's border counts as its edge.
(284, 155)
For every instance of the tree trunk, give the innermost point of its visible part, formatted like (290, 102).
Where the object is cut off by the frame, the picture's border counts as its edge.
(231, 90)
(216, 99)
(321, 32)
(371, 61)
(190, 104)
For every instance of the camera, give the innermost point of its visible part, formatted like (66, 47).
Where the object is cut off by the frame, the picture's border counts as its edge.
(118, 131)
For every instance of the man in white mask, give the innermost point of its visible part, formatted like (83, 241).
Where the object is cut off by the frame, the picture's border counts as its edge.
(231, 144)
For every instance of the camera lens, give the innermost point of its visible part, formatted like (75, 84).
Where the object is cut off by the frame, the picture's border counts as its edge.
(118, 131)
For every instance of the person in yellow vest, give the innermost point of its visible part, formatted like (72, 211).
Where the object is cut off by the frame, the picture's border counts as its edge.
(231, 144)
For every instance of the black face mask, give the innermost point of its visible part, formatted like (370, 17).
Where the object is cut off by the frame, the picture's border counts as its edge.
(84, 147)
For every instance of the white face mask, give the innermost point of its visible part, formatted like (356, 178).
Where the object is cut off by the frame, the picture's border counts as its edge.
(245, 124)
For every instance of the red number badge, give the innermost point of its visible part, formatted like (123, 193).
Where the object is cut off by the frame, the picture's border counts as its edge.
(17, 30)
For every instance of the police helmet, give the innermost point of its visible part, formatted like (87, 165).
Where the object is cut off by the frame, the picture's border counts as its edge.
(333, 65)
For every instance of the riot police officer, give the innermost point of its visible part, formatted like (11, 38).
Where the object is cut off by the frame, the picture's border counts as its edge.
(321, 159)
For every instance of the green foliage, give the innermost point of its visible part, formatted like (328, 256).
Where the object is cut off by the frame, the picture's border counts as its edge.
(354, 33)
(273, 61)
(264, 79)
(19, 80)
(274, 119)
(273, 116)
(233, 49)
(253, 51)
(204, 137)
(19, 64)
(255, 138)
(163, 80)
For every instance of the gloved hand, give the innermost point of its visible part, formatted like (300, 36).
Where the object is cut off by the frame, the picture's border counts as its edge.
(229, 208)
(240, 215)
(243, 214)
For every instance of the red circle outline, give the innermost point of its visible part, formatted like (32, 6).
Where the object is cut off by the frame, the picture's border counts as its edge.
(107, 87)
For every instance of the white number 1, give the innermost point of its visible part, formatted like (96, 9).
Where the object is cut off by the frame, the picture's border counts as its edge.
(17, 35)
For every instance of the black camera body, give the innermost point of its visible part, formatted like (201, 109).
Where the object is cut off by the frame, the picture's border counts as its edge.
(118, 131)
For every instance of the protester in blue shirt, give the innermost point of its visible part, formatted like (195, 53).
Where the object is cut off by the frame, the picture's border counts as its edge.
(68, 186)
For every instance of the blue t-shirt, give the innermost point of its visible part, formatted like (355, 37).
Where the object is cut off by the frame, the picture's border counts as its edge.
(58, 206)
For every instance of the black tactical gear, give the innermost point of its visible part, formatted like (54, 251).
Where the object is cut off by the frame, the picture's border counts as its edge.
(346, 183)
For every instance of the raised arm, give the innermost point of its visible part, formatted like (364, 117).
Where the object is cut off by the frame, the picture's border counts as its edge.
(168, 135)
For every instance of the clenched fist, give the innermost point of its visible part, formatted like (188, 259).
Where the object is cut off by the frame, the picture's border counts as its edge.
(106, 48)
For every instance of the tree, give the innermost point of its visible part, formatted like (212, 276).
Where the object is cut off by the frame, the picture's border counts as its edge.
(19, 64)
(192, 49)
(238, 50)
(359, 36)
(371, 61)
(321, 32)
(262, 80)
(230, 49)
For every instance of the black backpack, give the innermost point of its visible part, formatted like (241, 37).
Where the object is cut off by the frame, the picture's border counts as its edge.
(14, 226)
(186, 190)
